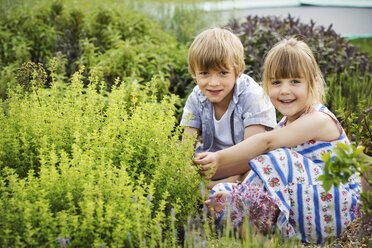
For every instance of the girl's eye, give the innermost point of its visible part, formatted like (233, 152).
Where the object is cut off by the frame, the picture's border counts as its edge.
(275, 82)
(295, 81)
(224, 72)
(203, 73)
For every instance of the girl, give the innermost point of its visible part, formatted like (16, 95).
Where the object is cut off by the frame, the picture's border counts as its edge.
(286, 162)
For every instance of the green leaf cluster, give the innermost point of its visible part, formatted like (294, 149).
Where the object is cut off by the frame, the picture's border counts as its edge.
(349, 161)
(96, 167)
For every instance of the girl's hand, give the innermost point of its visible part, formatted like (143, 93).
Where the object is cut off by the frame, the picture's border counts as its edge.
(208, 162)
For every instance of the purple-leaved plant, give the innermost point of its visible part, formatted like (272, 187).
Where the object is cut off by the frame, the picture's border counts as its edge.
(250, 202)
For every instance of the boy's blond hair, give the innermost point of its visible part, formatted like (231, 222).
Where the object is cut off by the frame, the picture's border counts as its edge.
(216, 48)
(292, 58)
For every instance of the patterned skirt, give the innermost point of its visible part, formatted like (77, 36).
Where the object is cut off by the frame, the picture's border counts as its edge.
(306, 210)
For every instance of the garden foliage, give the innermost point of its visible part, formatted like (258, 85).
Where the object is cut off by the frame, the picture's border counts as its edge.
(95, 167)
(89, 148)
(114, 42)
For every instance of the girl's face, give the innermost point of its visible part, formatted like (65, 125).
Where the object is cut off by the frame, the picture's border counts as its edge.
(289, 96)
(217, 85)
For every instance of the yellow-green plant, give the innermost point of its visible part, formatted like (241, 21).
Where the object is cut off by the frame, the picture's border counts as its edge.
(94, 167)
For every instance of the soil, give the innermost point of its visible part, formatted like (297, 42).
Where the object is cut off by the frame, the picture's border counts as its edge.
(357, 235)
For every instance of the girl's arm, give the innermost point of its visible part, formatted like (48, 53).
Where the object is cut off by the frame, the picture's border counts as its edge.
(312, 126)
(240, 168)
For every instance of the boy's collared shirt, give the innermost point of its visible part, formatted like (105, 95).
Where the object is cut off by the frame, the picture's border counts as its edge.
(248, 106)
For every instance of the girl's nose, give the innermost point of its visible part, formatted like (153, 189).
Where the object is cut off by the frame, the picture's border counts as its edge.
(285, 89)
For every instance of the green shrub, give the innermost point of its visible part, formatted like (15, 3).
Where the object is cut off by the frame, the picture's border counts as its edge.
(114, 42)
(79, 163)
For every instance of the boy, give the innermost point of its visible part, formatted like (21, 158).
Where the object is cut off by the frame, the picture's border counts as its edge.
(226, 106)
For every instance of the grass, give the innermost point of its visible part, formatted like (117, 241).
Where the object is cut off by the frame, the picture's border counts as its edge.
(365, 45)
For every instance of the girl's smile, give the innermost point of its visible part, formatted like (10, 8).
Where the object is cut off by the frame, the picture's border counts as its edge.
(287, 101)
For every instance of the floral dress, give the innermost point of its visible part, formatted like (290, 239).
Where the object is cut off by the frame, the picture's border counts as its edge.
(290, 175)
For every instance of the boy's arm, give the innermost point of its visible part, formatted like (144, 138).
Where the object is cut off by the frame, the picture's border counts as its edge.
(190, 131)
(257, 108)
(253, 129)
(239, 168)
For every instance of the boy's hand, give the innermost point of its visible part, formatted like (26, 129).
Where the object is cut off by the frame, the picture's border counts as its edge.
(208, 163)
(216, 202)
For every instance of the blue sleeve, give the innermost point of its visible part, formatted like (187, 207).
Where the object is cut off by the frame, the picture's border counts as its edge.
(257, 108)
(191, 116)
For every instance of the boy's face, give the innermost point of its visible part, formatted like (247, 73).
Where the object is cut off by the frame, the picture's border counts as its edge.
(217, 85)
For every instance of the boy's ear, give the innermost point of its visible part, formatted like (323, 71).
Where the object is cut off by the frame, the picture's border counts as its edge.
(239, 74)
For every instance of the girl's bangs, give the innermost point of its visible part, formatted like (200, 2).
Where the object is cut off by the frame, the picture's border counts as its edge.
(287, 66)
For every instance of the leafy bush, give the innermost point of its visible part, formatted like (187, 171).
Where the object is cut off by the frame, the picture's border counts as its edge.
(339, 61)
(114, 42)
(92, 166)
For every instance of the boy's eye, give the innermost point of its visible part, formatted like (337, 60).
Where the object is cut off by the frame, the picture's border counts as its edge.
(224, 72)
(203, 73)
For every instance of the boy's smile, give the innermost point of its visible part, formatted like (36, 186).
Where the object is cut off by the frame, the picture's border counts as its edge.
(216, 85)
(215, 92)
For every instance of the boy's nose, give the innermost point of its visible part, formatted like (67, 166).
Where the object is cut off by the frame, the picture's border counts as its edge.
(214, 81)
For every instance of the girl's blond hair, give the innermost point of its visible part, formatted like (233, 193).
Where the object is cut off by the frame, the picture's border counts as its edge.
(216, 48)
(292, 58)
